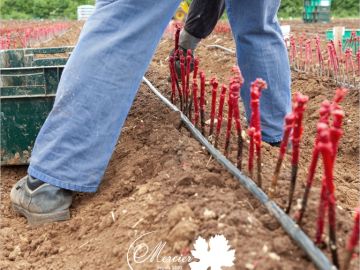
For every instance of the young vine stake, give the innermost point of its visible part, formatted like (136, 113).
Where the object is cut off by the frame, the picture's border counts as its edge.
(220, 114)
(353, 240)
(299, 108)
(255, 127)
(214, 83)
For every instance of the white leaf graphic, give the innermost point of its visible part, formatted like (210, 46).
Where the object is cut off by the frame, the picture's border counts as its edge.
(215, 255)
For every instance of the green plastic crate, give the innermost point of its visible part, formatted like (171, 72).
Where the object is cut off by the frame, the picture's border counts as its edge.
(345, 38)
(28, 85)
(317, 11)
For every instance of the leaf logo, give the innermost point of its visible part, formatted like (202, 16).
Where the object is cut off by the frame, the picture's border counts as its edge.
(215, 254)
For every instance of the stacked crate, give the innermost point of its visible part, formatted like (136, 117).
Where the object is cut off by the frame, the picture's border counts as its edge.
(317, 11)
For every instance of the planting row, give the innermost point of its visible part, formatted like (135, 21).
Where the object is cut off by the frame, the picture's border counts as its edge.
(340, 61)
(188, 91)
(27, 35)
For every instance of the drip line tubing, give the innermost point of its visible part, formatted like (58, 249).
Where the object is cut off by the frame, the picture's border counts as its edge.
(291, 228)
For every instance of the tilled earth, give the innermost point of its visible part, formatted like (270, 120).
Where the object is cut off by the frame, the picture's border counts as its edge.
(162, 183)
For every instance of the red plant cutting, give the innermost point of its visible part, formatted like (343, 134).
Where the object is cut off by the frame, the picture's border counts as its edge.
(319, 55)
(353, 239)
(235, 85)
(308, 54)
(188, 70)
(301, 39)
(183, 80)
(214, 83)
(196, 68)
(220, 114)
(327, 194)
(235, 89)
(326, 110)
(327, 189)
(289, 122)
(358, 60)
(299, 108)
(229, 123)
(311, 172)
(251, 132)
(340, 93)
(292, 52)
(255, 134)
(196, 104)
(349, 64)
(173, 79)
(177, 36)
(202, 102)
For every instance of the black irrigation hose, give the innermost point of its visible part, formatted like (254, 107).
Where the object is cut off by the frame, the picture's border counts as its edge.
(317, 257)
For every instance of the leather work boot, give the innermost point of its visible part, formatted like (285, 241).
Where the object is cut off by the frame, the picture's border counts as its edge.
(40, 202)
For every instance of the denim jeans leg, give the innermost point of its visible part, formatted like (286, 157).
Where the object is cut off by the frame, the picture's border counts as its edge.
(96, 91)
(261, 53)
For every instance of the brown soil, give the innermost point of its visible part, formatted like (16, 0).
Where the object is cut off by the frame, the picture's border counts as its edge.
(68, 38)
(160, 179)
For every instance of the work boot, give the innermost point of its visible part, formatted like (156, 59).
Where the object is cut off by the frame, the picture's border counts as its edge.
(278, 144)
(274, 144)
(40, 202)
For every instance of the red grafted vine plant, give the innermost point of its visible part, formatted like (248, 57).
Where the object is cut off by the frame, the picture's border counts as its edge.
(214, 83)
(255, 127)
(202, 102)
(299, 108)
(220, 114)
(353, 240)
(288, 127)
(325, 112)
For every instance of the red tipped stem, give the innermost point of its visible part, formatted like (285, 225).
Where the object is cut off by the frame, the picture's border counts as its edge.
(358, 61)
(251, 132)
(220, 114)
(326, 149)
(235, 89)
(289, 122)
(310, 177)
(196, 67)
(183, 80)
(235, 85)
(319, 54)
(320, 221)
(202, 102)
(335, 133)
(177, 36)
(214, 83)
(173, 79)
(353, 240)
(196, 104)
(299, 108)
(255, 92)
(188, 70)
(229, 122)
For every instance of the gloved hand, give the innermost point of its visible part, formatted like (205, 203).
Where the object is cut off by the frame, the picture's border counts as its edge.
(177, 62)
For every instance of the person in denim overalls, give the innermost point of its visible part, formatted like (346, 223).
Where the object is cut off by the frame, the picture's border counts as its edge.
(100, 81)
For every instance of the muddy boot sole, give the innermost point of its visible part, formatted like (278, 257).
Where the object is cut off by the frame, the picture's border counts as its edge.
(38, 219)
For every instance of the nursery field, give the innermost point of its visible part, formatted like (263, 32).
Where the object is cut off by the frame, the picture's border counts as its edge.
(164, 189)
